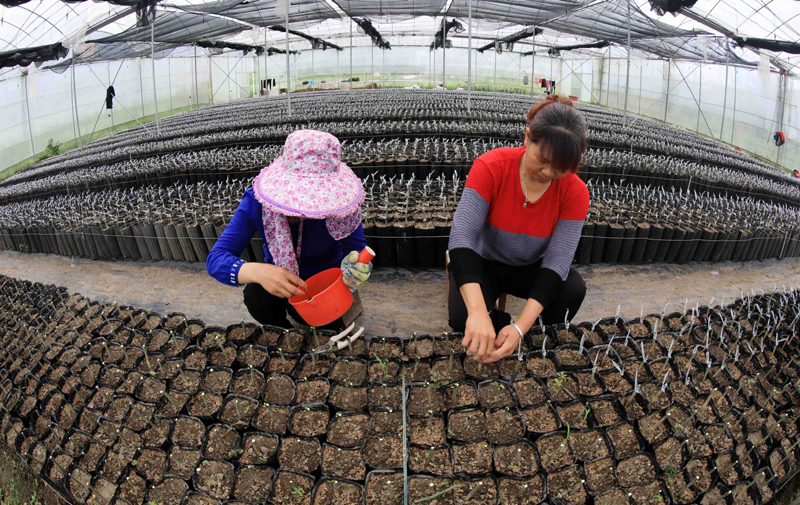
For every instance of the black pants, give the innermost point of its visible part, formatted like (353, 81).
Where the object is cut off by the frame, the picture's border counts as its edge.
(267, 308)
(516, 281)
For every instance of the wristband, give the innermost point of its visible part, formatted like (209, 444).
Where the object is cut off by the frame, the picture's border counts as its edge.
(519, 344)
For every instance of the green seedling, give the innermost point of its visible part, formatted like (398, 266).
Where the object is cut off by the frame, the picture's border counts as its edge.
(566, 440)
(437, 494)
(473, 491)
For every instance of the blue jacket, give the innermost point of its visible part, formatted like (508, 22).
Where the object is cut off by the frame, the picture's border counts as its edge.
(320, 251)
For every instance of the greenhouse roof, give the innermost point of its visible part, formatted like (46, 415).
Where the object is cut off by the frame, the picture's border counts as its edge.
(703, 33)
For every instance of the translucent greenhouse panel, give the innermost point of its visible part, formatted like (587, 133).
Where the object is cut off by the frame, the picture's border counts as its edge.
(750, 117)
(578, 78)
(790, 151)
(50, 98)
(16, 144)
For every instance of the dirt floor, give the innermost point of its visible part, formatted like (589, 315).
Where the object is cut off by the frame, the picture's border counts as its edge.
(398, 301)
(19, 486)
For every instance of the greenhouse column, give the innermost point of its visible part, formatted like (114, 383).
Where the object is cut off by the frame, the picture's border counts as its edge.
(494, 84)
(196, 96)
(28, 111)
(169, 82)
(210, 80)
(141, 87)
(785, 83)
(110, 111)
(608, 81)
(266, 53)
(628, 71)
(533, 60)
(71, 103)
(469, 58)
(313, 76)
(641, 68)
(725, 94)
(444, 48)
(288, 63)
(372, 63)
(733, 122)
(75, 101)
(666, 103)
(699, 99)
(351, 53)
(153, 64)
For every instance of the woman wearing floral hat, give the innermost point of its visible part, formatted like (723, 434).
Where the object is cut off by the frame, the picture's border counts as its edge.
(306, 205)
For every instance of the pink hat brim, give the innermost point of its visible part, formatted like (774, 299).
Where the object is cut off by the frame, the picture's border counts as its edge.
(285, 192)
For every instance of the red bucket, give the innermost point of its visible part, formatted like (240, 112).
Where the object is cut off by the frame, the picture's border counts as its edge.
(327, 298)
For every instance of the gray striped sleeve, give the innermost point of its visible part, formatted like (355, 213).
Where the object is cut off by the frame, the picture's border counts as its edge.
(468, 222)
(561, 249)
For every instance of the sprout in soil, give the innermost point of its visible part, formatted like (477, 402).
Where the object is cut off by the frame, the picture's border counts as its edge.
(566, 440)
(437, 494)
(383, 364)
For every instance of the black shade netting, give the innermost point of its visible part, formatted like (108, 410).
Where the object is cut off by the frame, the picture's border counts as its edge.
(507, 42)
(264, 12)
(179, 27)
(24, 57)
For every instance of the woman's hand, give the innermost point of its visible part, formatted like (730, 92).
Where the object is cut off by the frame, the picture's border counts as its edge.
(275, 280)
(479, 335)
(505, 344)
(355, 272)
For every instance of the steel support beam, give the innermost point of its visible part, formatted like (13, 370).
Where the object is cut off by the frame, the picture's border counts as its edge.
(153, 66)
(628, 71)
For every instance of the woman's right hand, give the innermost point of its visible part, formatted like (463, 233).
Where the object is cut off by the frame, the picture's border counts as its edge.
(275, 280)
(479, 335)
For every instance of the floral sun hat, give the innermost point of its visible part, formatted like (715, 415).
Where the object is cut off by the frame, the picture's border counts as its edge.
(309, 181)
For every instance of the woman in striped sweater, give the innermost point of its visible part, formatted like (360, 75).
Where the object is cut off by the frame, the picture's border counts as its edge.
(516, 230)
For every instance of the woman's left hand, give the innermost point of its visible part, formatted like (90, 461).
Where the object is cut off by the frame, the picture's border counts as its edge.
(504, 345)
(355, 273)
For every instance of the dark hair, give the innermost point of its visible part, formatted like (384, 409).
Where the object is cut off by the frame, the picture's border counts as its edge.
(560, 131)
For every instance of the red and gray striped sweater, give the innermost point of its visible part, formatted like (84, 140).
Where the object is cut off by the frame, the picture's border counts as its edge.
(491, 224)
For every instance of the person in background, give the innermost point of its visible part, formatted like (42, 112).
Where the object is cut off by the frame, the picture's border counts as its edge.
(515, 232)
(306, 206)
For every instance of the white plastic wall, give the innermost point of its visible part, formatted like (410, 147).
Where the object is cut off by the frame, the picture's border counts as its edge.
(751, 112)
(51, 100)
(668, 91)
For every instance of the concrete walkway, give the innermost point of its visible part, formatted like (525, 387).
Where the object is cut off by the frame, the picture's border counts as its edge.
(398, 301)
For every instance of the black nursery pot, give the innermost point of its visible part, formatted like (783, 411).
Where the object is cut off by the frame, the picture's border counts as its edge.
(654, 241)
(640, 244)
(404, 244)
(385, 248)
(599, 243)
(584, 251)
(425, 244)
(687, 245)
(442, 234)
(678, 236)
(614, 240)
(663, 244)
(628, 242)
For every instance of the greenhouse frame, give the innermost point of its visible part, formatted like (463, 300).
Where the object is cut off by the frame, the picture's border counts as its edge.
(723, 69)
